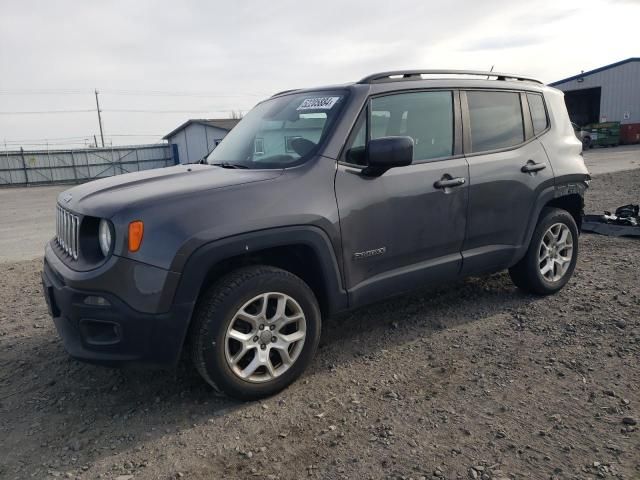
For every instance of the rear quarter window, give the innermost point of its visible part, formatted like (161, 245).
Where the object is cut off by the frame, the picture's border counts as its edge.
(538, 113)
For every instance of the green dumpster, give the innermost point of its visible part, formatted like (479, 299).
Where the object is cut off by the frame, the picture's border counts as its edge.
(605, 134)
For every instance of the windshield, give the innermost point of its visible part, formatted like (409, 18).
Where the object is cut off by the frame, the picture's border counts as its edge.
(280, 132)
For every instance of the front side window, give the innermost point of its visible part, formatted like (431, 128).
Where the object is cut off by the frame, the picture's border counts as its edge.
(427, 117)
(538, 113)
(280, 132)
(496, 120)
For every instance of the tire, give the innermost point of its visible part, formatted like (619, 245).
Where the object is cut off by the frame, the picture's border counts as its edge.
(254, 293)
(528, 274)
(586, 143)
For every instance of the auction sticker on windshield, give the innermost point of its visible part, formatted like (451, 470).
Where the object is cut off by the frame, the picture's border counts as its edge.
(318, 103)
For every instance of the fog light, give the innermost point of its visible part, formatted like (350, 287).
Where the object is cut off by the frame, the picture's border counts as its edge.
(97, 301)
(99, 332)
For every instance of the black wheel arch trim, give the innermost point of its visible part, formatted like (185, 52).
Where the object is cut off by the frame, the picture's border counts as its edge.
(574, 184)
(208, 255)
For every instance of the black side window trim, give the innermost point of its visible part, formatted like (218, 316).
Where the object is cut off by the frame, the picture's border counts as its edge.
(362, 118)
(457, 125)
(526, 119)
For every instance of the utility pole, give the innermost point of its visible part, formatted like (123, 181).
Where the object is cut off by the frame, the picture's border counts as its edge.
(99, 118)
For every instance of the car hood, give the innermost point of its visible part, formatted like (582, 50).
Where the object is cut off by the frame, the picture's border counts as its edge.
(107, 196)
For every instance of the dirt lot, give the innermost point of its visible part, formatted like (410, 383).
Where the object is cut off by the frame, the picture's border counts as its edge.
(471, 381)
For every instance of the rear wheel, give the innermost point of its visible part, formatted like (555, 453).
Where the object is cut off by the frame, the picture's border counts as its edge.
(586, 143)
(552, 254)
(255, 332)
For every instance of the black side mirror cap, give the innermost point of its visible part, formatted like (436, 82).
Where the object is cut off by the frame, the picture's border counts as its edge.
(388, 152)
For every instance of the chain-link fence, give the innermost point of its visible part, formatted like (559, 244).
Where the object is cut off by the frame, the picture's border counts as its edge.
(37, 167)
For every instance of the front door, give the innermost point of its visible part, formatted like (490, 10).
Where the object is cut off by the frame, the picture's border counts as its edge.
(406, 227)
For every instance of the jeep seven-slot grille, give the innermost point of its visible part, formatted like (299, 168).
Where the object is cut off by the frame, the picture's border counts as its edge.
(67, 228)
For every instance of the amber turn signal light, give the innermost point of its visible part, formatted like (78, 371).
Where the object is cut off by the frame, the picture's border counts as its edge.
(136, 231)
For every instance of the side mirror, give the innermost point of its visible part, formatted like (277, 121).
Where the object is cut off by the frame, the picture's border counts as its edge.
(388, 152)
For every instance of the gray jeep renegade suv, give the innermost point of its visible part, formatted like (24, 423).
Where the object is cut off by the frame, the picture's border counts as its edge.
(317, 202)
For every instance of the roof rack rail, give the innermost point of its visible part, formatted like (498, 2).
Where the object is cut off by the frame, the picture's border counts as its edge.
(417, 75)
(284, 91)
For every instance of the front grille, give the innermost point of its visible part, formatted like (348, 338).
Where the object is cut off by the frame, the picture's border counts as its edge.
(67, 228)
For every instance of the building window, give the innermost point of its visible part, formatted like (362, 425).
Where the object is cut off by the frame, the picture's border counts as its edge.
(258, 146)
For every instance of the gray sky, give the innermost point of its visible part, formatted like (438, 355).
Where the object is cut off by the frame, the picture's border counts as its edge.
(228, 55)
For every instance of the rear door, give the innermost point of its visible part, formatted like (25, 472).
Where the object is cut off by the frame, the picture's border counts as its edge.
(508, 168)
(401, 230)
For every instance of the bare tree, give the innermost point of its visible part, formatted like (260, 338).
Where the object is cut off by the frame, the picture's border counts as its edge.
(236, 114)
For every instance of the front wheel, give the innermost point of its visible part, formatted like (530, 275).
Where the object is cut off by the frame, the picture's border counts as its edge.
(552, 254)
(255, 331)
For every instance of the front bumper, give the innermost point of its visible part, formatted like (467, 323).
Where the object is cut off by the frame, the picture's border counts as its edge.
(113, 333)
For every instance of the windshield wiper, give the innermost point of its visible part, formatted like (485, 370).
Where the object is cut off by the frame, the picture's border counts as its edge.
(229, 165)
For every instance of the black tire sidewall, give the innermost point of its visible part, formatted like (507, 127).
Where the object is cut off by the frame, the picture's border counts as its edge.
(217, 321)
(552, 217)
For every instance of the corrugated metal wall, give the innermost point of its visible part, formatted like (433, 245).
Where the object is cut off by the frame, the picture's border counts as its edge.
(81, 165)
(195, 141)
(620, 96)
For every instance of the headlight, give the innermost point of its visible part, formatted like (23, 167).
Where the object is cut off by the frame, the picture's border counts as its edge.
(104, 237)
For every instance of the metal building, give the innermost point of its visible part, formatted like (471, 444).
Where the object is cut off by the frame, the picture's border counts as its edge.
(606, 94)
(195, 139)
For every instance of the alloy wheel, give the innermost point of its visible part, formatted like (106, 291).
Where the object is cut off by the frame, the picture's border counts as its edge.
(555, 252)
(265, 337)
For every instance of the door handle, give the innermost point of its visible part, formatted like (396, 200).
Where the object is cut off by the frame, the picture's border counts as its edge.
(531, 167)
(450, 182)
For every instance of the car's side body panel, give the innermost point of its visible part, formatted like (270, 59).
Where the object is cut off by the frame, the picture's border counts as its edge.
(561, 145)
(398, 230)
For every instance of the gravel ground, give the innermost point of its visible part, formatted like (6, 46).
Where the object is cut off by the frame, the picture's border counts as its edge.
(20, 239)
(472, 381)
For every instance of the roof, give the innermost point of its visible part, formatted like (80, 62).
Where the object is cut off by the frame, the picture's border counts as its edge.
(221, 123)
(597, 70)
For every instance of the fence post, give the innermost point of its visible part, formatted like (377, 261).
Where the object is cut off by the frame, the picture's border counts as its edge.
(49, 162)
(73, 165)
(24, 167)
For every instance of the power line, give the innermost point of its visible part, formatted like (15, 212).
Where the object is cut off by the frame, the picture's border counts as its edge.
(83, 137)
(45, 92)
(154, 93)
(116, 110)
(45, 112)
(142, 93)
